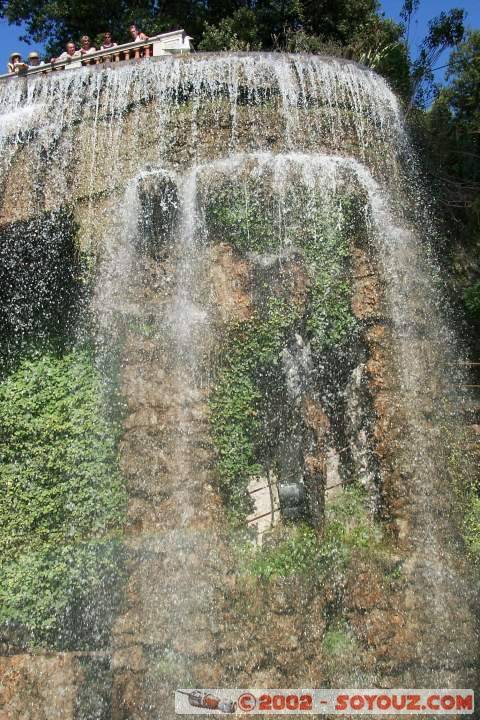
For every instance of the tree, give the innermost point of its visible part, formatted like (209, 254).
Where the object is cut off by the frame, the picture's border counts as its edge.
(409, 8)
(445, 31)
(454, 122)
(276, 18)
(56, 21)
(339, 20)
(268, 22)
(378, 44)
(238, 32)
(463, 92)
(449, 133)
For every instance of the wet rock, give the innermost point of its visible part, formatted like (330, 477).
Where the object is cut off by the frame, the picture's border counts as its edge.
(40, 687)
(130, 658)
(230, 278)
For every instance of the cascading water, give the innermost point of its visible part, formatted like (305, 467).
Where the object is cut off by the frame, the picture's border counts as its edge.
(270, 307)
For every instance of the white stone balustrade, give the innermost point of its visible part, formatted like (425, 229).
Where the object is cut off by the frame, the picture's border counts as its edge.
(171, 43)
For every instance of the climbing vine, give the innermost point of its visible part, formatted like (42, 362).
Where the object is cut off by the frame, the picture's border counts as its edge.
(301, 549)
(330, 319)
(244, 216)
(461, 462)
(309, 221)
(316, 228)
(252, 350)
(62, 502)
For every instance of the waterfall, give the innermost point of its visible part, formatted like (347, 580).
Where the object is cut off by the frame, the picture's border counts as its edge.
(268, 294)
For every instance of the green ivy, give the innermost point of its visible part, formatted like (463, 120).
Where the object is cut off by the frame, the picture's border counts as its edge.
(339, 641)
(62, 499)
(472, 526)
(252, 347)
(461, 462)
(297, 553)
(253, 218)
(467, 486)
(302, 550)
(471, 298)
(242, 216)
(330, 319)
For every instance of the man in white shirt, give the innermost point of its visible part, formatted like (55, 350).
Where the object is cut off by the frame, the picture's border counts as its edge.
(70, 53)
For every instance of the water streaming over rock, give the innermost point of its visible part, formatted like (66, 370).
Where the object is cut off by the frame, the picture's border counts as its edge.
(271, 305)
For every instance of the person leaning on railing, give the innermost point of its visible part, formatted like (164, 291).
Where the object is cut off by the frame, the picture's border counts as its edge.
(15, 64)
(107, 41)
(70, 53)
(34, 60)
(136, 35)
(86, 47)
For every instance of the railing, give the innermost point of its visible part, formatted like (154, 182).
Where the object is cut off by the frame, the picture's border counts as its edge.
(171, 43)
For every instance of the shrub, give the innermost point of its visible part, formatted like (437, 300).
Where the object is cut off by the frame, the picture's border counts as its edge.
(235, 33)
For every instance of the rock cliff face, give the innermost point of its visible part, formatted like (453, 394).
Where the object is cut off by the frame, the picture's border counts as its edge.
(259, 308)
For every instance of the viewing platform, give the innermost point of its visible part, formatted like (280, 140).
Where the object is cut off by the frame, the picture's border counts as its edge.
(171, 43)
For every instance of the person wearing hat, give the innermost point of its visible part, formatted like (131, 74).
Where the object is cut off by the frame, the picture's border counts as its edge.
(16, 64)
(34, 60)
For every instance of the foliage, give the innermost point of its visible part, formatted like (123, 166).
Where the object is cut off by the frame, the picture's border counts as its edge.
(251, 348)
(444, 31)
(339, 641)
(454, 122)
(302, 550)
(408, 10)
(471, 298)
(62, 594)
(471, 526)
(62, 500)
(56, 22)
(238, 32)
(338, 20)
(299, 41)
(244, 215)
(351, 28)
(470, 503)
(330, 320)
(253, 219)
(219, 24)
(462, 466)
(464, 75)
(450, 141)
(40, 280)
(296, 554)
(275, 17)
(379, 45)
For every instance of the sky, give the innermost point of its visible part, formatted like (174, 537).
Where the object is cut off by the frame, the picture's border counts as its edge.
(9, 34)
